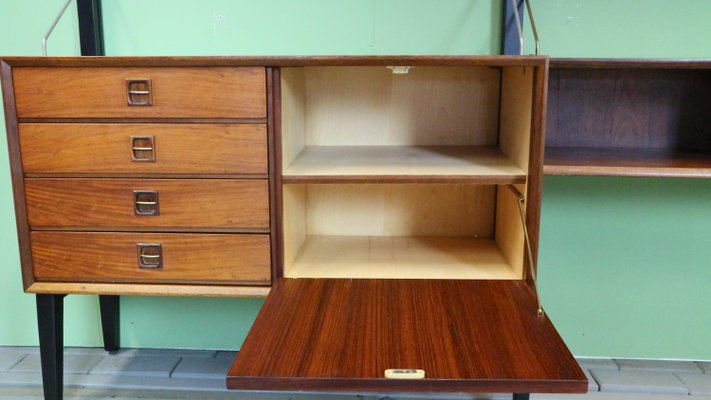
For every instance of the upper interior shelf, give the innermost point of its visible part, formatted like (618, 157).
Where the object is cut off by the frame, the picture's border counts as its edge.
(465, 164)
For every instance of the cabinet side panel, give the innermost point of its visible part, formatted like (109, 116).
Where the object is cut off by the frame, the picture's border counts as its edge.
(515, 123)
(294, 197)
(293, 98)
(401, 210)
(509, 230)
(368, 106)
(18, 187)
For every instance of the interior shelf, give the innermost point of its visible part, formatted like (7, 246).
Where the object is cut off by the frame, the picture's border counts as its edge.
(388, 257)
(626, 162)
(465, 164)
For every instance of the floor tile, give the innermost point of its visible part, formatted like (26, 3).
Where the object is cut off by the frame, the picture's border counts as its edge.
(167, 352)
(8, 360)
(156, 366)
(705, 366)
(73, 363)
(698, 384)
(687, 367)
(203, 368)
(592, 383)
(639, 381)
(617, 396)
(597, 363)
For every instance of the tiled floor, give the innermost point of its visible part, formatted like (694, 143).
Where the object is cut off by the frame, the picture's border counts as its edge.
(188, 374)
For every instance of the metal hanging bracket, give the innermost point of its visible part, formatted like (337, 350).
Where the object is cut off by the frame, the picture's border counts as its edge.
(51, 27)
(531, 266)
(519, 26)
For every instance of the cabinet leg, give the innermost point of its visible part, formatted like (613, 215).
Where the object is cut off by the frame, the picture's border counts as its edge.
(50, 320)
(521, 396)
(110, 319)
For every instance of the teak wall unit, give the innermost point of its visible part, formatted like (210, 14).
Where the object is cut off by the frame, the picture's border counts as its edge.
(383, 210)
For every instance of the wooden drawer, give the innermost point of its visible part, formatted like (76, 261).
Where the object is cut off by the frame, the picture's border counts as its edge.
(114, 257)
(83, 92)
(176, 148)
(181, 203)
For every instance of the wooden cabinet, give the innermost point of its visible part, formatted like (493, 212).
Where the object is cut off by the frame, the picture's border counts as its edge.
(629, 118)
(389, 206)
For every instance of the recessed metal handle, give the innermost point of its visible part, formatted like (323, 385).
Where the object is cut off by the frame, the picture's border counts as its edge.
(145, 203)
(405, 374)
(139, 92)
(150, 255)
(143, 148)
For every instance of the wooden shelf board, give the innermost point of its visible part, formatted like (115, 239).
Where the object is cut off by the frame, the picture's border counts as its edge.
(341, 334)
(141, 289)
(385, 257)
(475, 164)
(626, 162)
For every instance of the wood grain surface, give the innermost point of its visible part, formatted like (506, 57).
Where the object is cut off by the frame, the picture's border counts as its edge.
(147, 289)
(275, 61)
(85, 203)
(179, 148)
(341, 335)
(434, 164)
(627, 162)
(187, 258)
(629, 108)
(84, 92)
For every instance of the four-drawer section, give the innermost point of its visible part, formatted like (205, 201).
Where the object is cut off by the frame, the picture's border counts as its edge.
(146, 175)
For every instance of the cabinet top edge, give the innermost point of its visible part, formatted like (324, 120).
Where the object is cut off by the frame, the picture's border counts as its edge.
(275, 61)
(630, 63)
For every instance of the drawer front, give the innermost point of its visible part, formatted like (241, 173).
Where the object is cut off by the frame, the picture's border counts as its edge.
(117, 92)
(143, 148)
(112, 203)
(127, 257)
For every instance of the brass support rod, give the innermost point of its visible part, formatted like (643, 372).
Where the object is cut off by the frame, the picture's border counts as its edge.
(531, 266)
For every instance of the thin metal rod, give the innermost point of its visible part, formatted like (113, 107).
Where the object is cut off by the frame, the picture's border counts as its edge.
(51, 27)
(518, 26)
(533, 27)
(531, 266)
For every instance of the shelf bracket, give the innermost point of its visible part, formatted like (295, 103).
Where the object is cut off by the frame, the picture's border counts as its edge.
(532, 270)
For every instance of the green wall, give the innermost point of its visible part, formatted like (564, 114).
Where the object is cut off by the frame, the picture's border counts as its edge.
(623, 261)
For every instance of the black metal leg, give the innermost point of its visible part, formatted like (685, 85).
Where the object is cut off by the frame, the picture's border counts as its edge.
(110, 318)
(521, 396)
(50, 320)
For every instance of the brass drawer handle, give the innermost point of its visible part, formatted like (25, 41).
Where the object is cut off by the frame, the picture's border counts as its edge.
(143, 148)
(139, 92)
(146, 203)
(150, 255)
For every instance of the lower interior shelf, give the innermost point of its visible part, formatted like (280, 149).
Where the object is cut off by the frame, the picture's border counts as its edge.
(626, 162)
(387, 257)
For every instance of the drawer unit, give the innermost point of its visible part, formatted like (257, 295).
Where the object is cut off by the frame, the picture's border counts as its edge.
(128, 148)
(151, 258)
(130, 92)
(148, 203)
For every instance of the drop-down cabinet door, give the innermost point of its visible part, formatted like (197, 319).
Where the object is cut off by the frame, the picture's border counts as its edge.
(409, 209)
(344, 334)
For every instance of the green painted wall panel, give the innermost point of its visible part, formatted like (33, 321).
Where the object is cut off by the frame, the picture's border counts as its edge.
(624, 265)
(623, 260)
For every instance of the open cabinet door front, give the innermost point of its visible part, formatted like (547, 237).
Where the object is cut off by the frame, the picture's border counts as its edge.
(343, 334)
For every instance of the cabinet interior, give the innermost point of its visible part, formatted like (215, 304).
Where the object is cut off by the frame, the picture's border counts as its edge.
(631, 121)
(404, 175)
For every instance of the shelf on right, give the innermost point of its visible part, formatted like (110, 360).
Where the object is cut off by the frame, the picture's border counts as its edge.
(629, 118)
